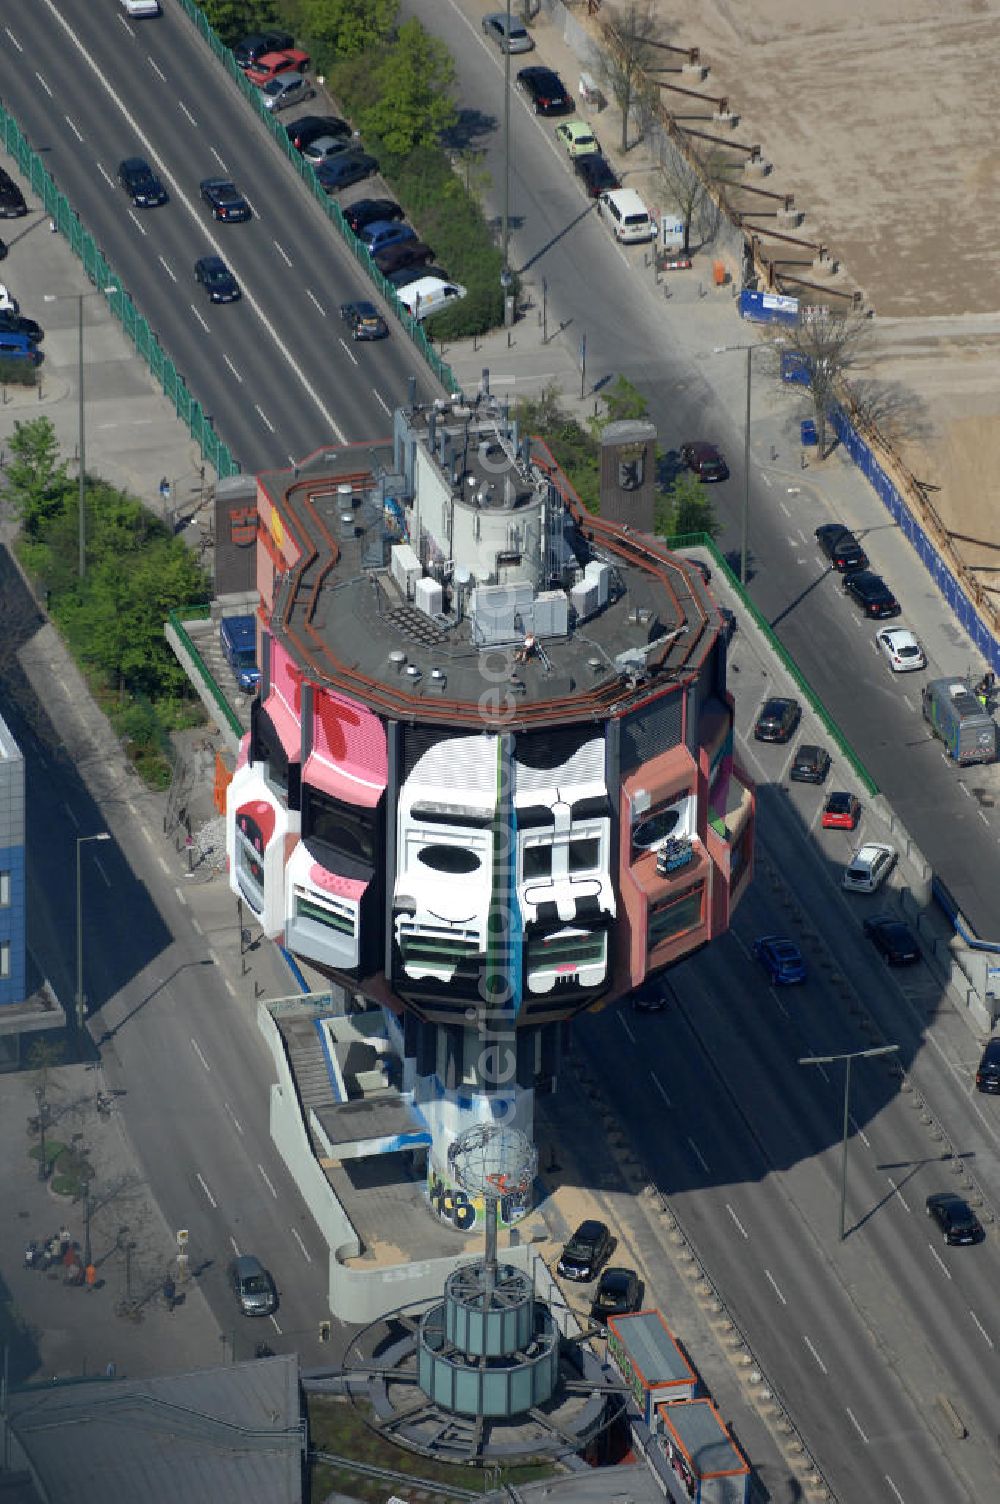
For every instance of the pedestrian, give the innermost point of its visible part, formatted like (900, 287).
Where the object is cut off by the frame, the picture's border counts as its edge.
(90, 1275)
(110, 1371)
(64, 1239)
(169, 1292)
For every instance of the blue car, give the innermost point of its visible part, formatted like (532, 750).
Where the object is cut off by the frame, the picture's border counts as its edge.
(781, 959)
(383, 233)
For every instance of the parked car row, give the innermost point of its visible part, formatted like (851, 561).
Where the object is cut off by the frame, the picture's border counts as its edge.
(19, 336)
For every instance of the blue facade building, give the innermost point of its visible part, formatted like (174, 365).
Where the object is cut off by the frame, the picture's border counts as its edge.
(12, 875)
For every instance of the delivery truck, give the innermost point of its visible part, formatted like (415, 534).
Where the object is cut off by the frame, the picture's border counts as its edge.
(238, 637)
(954, 714)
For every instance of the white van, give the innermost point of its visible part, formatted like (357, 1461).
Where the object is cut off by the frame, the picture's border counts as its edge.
(428, 296)
(627, 215)
(136, 9)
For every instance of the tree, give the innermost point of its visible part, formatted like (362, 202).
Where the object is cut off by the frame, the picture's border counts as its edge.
(685, 184)
(630, 38)
(36, 481)
(830, 343)
(691, 509)
(347, 28)
(414, 80)
(233, 19)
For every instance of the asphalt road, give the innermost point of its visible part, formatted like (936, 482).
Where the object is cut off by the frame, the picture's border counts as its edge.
(597, 289)
(274, 371)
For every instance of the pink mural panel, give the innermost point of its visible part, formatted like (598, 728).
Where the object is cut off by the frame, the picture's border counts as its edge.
(350, 758)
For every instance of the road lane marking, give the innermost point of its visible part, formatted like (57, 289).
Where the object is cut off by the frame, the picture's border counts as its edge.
(185, 111)
(854, 1422)
(314, 300)
(163, 863)
(277, 1328)
(282, 253)
(774, 1286)
(156, 69)
(73, 128)
(381, 401)
(235, 372)
(624, 1023)
(229, 986)
(898, 1193)
(305, 1252)
(815, 1354)
(69, 811)
(895, 1490)
(13, 39)
(235, 1120)
(199, 318)
(97, 864)
(197, 1049)
(166, 268)
(211, 1199)
(983, 1331)
(656, 1082)
(965, 790)
(106, 175)
(44, 84)
(941, 1263)
(698, 1154)
(739, 1225)
(906, 702)
(136, 221)
(221, 163)
(983, 816)
(348, 352)
(262, 415)
(267, 1181)
(234, 1245)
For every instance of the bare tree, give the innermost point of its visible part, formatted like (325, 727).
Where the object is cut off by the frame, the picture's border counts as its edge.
(831, 344)
(630, 36)
(685, 183)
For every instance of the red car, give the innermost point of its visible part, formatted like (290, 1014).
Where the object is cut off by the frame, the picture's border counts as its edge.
(841, 812)
(273, 64)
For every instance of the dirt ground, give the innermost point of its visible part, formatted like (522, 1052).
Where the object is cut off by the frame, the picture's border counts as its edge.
(879, 116)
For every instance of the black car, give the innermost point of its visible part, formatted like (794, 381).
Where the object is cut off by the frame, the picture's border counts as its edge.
(586, 1251)
(217, 280)
(405, 253)
(596, 173)
(988, 1071)
(225, 200)
(12, 205)
(841, 547)
(705, 461)
(352, 167)
(777, 720)
(250, 49)
(16, 323)
(407, 274)
(893, 940)
(308, 128)
(811, 764)
(871, 593)
(141, 183)
(365, 320)
(618, 1292)
(955, 1217)
(365, 211)
(545, 90)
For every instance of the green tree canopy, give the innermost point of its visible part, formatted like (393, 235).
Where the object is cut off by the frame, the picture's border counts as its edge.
(690, 509)
(36, 483)
(346, 28)
(414, 82)
(233, 19)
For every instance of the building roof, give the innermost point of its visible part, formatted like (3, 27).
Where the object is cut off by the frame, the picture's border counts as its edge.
(229, 1435)
(698, 1427)
(650, 1344)
(340, 610)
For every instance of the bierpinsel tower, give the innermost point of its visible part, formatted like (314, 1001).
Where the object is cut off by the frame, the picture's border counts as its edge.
(489, 781)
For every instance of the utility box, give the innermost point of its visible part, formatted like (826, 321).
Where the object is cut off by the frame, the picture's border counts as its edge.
(405, 569)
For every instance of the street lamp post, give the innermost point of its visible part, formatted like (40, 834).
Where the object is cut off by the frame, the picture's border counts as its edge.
(87, 1250)
(51, 297)
(745, 520)
(81, 1001)
(882, 1049)
(43, 1113)
(505, 277)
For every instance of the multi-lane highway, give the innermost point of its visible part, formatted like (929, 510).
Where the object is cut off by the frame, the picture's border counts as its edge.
(275, 371)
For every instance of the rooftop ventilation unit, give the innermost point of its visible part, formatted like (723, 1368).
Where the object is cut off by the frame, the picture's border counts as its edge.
(397, 659)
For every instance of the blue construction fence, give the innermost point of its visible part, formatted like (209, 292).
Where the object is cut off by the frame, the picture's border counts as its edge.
(442, 370)
(941, 573)
(103, 275)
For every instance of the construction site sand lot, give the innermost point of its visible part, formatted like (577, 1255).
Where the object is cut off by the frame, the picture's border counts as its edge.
(880, 117)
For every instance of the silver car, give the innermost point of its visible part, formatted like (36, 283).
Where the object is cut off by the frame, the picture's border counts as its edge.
(288, 88)
(516, 39)
(253, 1286)
(325, 148)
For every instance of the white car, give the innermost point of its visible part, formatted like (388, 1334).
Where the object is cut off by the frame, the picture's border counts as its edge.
(901, 648)
(428, 296)
(136, 9)
(869, 867)
(8, 304)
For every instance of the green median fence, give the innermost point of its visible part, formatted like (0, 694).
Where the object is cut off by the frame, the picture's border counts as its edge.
(102, 274)
(442, 370)
(702, 540)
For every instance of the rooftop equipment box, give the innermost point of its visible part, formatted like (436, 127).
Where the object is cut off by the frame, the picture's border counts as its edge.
(646, 1354)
